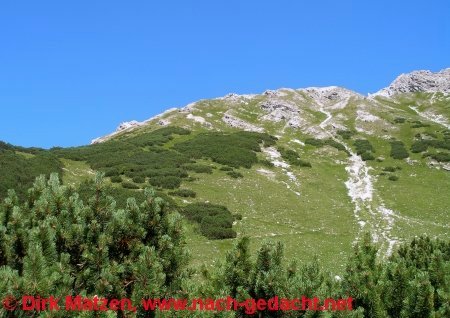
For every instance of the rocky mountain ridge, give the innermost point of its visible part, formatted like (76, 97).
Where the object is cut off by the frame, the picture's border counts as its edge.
(282, 104)
(418, 81)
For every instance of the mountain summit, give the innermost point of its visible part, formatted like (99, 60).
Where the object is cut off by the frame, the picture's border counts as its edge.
(287, 105)
(418, 81)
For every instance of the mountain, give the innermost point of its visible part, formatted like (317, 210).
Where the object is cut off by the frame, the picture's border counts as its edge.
(419, 81)
(314, 168)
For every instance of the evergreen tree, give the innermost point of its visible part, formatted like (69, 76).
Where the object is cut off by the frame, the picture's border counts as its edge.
(268, 278)
(419, 302)
(53, 243)
(361, 279)
(394, 284)
(238, 267)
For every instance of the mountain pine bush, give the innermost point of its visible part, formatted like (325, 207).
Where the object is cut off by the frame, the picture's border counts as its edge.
(185, 193)
(216, 221)
(413, 282)
(326, 142)
(62, 241)
(54, 243)
(235, 174)
(235, 149)
(362, 146)
(292, 157)
(19, 172)
(398, 150)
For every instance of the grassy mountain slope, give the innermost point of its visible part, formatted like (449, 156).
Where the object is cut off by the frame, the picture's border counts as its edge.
(398, 191)
(312, 209)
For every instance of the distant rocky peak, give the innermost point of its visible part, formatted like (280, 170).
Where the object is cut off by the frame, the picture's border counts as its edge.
(418, 81)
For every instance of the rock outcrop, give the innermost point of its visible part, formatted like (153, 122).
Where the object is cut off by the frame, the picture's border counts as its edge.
(331, 95)
(235, 122)
(418, 81)
(127, 125)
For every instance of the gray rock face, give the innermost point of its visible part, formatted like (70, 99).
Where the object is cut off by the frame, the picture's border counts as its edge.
(279, 110)
(233, 121)
(331, 95)
(271, 105)
(418, 81)
(129, 124)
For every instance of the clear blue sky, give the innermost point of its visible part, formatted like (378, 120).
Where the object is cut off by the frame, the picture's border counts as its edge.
(71, 71)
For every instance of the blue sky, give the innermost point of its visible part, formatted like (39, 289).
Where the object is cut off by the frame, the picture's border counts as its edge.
(71, 71)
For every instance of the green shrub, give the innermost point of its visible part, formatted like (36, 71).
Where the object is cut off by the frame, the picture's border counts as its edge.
(165, 182)
(216, 232)
(266, 163)
(235, 149)
(362, 146)
(215, 221)
(345, 134)
(389, 169)
(226, 168)
(419, 146)
(6, 146)
(441, 156)
(218, 220)
(18, 172)
(85, 239)
(235, 174)
(419, 124)
(314, 142)
(177, 172)
(431, 134)
(129, 185)
(326, 142)
(139, 179)
(116, 179)
(393, 178)
(132, 156)
(86, 190)
(367, 156)
(292, 157)
(289, 155)
(198, 168)
(305, 164)
(423, 144)
(398, 150)
(112, 172)
(440, 144)
(157, 137)
(399, 120)
(185, 193)
(335, 144)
